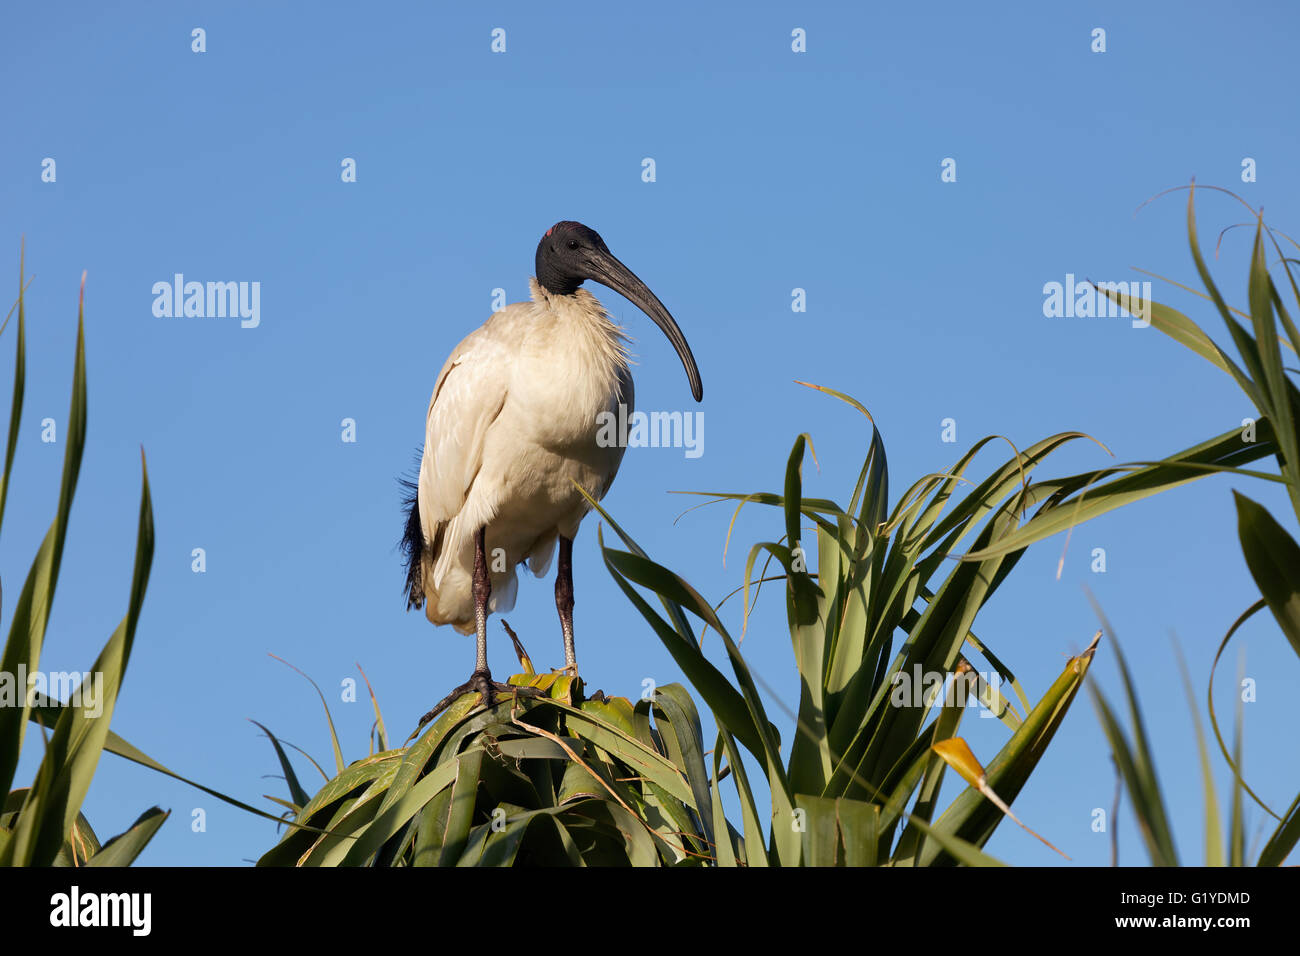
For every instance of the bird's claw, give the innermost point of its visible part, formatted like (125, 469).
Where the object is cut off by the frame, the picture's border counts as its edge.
(479, 682)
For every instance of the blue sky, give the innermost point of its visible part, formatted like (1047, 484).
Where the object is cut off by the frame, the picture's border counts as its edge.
(774, 170)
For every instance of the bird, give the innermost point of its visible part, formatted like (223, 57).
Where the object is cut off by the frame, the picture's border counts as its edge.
(511, 431)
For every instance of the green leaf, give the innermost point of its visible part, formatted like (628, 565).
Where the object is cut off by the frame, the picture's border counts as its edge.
(820, 829)
(1274, 381)
(1213, 829)
(79, 738)
(20, 381)
(123, 849)
(971, 816)
(1136, 766)
(1233, 764)
(1273, 558)
(1237, 822)
(1083, 497)
(297, 794)
(32, 612)
(686, 749)
(1284, 838)
(756, 853)
(742, 710)
(1248, 349)
(397, 814)
(463, 798)
(334, 737)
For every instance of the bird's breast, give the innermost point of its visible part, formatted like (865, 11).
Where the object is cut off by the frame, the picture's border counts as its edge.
(573, 369)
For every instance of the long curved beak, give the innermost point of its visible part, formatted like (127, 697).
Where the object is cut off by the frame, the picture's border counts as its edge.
(607, 270)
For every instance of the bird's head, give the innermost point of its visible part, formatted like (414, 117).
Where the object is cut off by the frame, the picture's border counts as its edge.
(564, 257)
(571, 253)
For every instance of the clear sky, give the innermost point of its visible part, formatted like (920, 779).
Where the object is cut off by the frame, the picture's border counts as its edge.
(774, 170)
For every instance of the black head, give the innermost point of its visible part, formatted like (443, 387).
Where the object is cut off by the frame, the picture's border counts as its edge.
(564, 256)
(571, 253)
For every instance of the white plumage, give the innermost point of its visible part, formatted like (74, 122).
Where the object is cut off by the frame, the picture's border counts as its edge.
(511, 425)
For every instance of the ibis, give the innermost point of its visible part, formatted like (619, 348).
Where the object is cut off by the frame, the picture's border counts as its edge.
(511, 431)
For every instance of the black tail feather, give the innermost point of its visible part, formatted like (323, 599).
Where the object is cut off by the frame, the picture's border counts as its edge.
(413, 543)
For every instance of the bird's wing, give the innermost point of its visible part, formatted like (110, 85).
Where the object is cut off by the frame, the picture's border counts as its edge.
(470, 392)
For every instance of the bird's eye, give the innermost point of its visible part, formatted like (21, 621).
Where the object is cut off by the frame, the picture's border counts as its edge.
(573, 243)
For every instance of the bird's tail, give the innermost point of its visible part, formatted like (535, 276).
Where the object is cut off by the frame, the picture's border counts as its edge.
(413, 543)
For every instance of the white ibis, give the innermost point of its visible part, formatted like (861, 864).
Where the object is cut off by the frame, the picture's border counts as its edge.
(511, 426)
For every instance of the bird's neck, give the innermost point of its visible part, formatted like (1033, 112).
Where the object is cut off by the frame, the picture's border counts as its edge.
(596, 349)
(587, 318)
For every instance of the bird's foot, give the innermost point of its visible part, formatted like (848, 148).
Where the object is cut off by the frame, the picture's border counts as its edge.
(569, 670)
(480, 682)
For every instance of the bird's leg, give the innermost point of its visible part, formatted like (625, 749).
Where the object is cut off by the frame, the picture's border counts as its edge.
(481, 680)
(482, 591)
(564, 603)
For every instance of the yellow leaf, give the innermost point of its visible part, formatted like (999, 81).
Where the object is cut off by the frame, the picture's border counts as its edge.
(957, 755)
